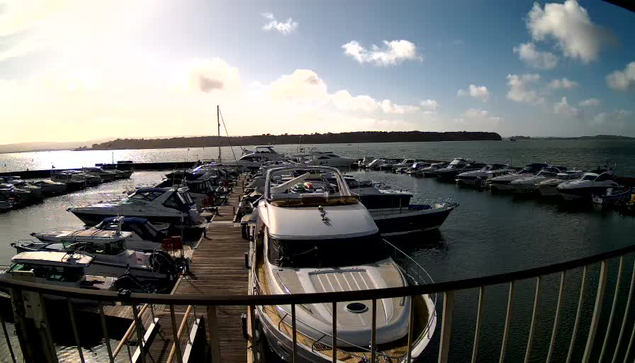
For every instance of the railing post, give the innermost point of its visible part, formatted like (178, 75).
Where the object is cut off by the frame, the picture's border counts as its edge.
(613, 306)
(411, 323)
(140, 328)
(626, 310)
(556, 319)
(534, 313)
(175, 334)
(105, 330)
(8, 339)
(71, 313)
(477, 329)
(595, 320)
(446, 328)
(508, 318)
(294, 329)
(214, 340)
(33, 343)
(373, 331)
(334, 345)
(578, 313)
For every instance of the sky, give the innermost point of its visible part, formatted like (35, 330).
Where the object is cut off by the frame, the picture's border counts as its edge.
(87, 70)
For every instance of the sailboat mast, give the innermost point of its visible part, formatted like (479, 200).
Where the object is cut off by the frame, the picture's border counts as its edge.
(218, 121)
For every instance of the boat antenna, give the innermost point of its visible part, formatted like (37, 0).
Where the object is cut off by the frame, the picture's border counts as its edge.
(218, 121)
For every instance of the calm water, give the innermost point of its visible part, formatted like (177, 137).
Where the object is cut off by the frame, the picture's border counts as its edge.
(573, 153)
(487, 234)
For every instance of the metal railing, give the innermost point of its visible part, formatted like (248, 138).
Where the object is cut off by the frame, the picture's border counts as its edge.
(596, 347)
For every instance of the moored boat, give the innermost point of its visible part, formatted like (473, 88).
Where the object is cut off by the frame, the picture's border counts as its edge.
(306, 239)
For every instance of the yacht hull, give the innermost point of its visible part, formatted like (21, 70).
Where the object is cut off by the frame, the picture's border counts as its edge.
(91, 219)
(282, 344)
(394, 222)
(573, 194)
(548, 190)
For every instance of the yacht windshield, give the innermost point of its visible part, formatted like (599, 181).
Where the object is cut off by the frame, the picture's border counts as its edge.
(330, 253)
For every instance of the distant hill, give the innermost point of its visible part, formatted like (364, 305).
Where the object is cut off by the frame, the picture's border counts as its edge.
(40, 146)
(316, 138)
(596, 137)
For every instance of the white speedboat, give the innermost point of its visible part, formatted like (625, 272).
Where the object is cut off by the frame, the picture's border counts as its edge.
(477, 177)
(50, 187)
(588, 184)
(548, 188)
(501, 183)
(112, 258)
(457, 166)
(316, 242)
(328, 158)
(138, 233)
(258, 156)
(161, 205)
(530, 184)
(57, 268)
(73, 181)
(431, 170)
(376, 164)
(104, 175)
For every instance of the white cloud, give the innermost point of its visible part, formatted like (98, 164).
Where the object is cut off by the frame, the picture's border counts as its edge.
(83, 28)
(475, 91)
(429, 105)
(520, 88)
(571, 27)
(343, 100)
(563, 108)
(479, 120)
(285, 28)
(563, 84)
(301, 85)
(617, 118)
(391, 53)
(591, 102)
(389, 107)
(213, 75)
(622, 80)
(542, 60)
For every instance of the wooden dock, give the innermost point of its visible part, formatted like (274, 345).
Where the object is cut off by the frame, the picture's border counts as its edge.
(217, 268)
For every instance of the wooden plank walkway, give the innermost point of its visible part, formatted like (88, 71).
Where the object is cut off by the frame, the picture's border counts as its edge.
(217, 268)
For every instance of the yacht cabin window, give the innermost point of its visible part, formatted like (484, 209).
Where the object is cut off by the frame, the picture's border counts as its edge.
(326, 253)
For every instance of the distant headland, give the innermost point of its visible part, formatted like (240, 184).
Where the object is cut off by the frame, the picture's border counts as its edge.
(315, 138)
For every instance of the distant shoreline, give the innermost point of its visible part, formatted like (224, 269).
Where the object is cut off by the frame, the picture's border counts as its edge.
(286, 139)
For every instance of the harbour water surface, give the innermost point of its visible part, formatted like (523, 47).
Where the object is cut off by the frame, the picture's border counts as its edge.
(487, 234)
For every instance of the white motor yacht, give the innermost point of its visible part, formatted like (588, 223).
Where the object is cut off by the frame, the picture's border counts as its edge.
(316, 242)
(477, 177)
(530, 185)
(57, 268)
(110, 257)
(501, 183)
(457, 166)
(104, 175)
(328, 158)
(548, 188)
(73, 181)
(138, 233)
(431, 170)
(50, 187)
(161, 205)
(588, 184)
(260, 155)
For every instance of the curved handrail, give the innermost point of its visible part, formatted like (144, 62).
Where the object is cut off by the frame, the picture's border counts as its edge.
(313, 298)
